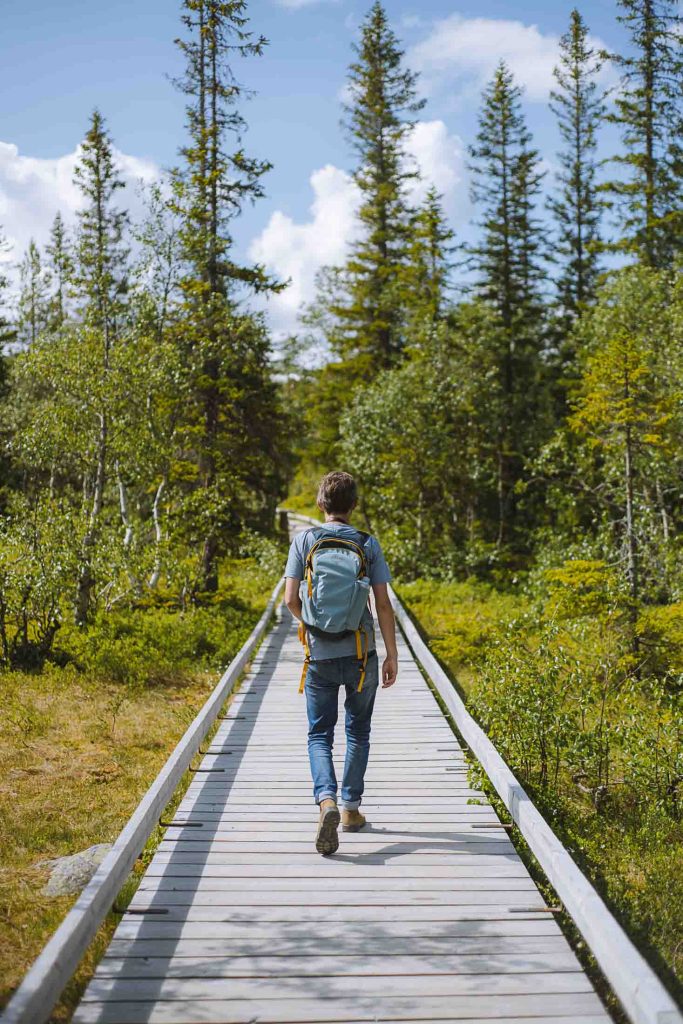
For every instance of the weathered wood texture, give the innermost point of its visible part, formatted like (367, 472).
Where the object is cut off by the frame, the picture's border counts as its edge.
(428, 914)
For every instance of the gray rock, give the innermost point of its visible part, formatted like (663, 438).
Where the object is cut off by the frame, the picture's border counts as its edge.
(70, 874)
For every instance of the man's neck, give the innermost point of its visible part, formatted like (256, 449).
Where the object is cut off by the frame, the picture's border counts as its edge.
(336, 518)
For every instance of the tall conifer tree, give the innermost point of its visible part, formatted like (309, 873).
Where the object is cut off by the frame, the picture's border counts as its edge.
(60, 264)
(370, 313)
(649, 111)
(100, 274)
(226, 352)
(506, 181)
(579, 107)
(430, 263)
(34, 297)
(100, 279)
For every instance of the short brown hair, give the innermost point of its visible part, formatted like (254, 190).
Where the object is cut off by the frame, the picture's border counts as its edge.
(337, 493)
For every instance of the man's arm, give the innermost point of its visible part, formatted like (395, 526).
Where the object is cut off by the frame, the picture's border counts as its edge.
(387, 625)
(292, 599)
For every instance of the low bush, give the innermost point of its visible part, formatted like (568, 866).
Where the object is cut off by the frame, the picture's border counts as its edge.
(460, 618)
(156, 641)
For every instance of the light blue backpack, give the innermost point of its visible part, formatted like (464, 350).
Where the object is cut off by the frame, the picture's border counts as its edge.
(334, 593)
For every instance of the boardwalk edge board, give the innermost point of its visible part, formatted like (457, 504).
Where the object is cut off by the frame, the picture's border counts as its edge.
(33, 1001)
(641, 993)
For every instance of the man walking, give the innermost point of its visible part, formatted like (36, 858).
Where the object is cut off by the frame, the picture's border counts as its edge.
(338, 565)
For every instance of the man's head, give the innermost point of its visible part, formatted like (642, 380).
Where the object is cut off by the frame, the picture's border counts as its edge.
(337, 494)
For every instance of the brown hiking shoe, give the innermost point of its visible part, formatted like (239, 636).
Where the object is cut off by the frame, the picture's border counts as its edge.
(352, 821)
(327, 840)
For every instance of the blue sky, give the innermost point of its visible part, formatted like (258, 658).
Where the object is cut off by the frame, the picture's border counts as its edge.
(61, 59)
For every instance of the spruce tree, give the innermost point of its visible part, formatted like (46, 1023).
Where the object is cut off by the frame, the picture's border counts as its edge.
(60, 266)
(100, 275)
(33, 313)
(370, 312)
(579, 107)
(211, 188)
(429, 264)
(100, 278)
(507, 267)
(649, 111)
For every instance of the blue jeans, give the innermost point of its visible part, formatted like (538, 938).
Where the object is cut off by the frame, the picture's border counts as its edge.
(323, 679)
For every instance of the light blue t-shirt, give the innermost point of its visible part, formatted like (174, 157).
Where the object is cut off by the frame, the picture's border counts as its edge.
(378, 571)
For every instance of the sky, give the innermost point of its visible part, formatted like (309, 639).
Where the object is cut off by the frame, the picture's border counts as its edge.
(60, 60)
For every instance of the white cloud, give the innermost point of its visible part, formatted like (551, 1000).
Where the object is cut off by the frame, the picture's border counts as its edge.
(441, 160)
(465, 51)
(297, 251)
(33, 189)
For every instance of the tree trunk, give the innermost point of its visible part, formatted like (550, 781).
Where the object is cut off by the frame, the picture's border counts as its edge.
(158, 534)
(86, 580)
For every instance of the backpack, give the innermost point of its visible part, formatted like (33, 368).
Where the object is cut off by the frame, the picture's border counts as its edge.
(334, 593)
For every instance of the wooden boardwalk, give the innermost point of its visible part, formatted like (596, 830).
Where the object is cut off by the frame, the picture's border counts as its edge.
(428, 914)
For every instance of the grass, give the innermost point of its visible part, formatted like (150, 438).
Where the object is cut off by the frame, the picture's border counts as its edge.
(77, 753)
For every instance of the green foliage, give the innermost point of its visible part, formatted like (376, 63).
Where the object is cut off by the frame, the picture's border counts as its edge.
(506, 181)
(460, 618)
(649, 197)
(361, 307)
(598, 746)
(39, 545)
(156, 642)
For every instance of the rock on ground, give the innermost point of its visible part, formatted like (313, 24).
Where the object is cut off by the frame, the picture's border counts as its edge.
(70, 874)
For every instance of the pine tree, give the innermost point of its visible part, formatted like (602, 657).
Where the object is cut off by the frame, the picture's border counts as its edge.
(649, 111)
(580, 109)
(506, 181)
(34, 302)
(429, 264)
(214, 184)
(210, 190)
(370, 312)
(60, 266)
(100, 277)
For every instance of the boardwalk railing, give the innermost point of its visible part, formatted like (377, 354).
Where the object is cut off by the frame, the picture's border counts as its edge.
(641, 993)
(42, 986)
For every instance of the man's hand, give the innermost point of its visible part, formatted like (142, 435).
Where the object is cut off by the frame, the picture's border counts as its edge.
(389, 671)
(387, 625)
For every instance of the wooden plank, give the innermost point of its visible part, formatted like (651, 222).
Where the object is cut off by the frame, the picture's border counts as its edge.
(323, 897)
(338, 987)
(204, 908)
(355, 870)
(246, 928)
(470, 883)
(310, 964)
(579, 1008)
(332, 944)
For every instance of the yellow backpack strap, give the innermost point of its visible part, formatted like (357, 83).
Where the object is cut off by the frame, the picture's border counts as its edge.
(363, 658)
(307, 658)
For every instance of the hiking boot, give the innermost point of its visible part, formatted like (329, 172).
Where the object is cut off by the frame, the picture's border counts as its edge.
(352, 821)
(327, 840)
